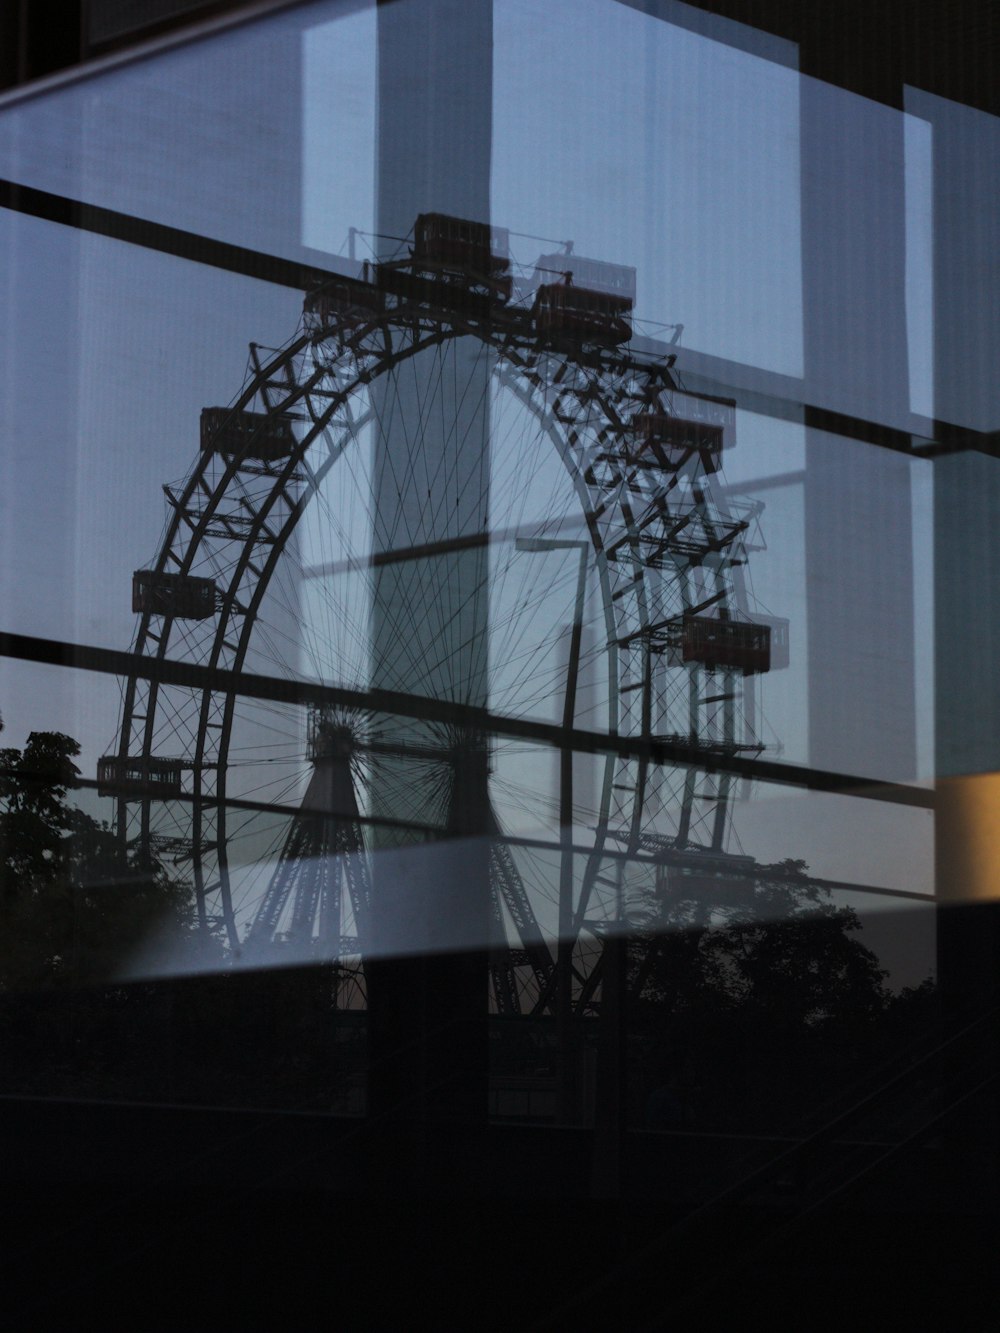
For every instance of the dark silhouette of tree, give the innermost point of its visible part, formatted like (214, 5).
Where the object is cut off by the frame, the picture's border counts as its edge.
(79, 918)
(73, 906)
(754, 1002)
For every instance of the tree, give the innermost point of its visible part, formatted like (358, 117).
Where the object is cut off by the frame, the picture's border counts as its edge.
(77, 912)
(73, 907)
(752, 1000)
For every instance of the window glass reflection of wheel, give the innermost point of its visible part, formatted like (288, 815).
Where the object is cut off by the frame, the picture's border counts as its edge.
(286, 554)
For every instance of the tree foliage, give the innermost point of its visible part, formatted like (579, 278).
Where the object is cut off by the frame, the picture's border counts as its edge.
(79, 919)
(777, 947)
(756, 1000)
(74, 907)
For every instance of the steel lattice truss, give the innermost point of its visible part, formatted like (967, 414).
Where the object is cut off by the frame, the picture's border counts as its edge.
(663, 544)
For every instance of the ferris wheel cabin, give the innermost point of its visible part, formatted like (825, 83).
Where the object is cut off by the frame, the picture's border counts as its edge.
(260, 435)
(779, 627)
(659, 440)
(339, 301)
(461, 245)
(585, 300)
(719, 881)
(723, 645)
(182, 596)
(133, 778)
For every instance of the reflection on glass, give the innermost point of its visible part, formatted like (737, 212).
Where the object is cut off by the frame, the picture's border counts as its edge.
(524, 615)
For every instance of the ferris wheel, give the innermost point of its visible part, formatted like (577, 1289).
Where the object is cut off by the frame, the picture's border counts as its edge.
(468, 486)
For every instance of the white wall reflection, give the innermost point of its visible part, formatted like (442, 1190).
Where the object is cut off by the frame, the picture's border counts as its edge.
(648, 144)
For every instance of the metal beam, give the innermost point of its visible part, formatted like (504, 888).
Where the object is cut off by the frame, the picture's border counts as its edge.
(674, 752)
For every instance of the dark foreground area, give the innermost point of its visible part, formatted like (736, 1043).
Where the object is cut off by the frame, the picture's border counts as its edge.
(173, 1218)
